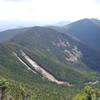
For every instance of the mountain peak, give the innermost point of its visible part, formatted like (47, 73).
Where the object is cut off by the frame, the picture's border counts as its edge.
(87, 30)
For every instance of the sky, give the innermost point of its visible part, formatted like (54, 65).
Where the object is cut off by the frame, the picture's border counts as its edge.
(48, 11)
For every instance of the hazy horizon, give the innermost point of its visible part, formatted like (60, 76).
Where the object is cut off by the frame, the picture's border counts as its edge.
(48, 11)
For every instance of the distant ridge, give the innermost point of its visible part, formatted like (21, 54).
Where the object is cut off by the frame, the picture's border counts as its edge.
(87, 30)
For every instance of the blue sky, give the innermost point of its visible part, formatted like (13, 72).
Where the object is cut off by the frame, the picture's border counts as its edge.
(49, 10)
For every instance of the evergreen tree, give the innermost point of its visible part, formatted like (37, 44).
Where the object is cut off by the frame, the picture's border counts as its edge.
(4, 84)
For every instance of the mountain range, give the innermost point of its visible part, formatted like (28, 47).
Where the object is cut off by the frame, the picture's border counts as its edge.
(87, 30)
(66, 56)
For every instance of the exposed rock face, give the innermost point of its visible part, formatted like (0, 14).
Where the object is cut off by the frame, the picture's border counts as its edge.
(24, 63)
(73, 55)
(61, 43)
(40, 70)
(92, 83)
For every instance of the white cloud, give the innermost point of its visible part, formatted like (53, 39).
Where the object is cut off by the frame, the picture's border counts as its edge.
(14, 0)
(48, 10)
(97, 1)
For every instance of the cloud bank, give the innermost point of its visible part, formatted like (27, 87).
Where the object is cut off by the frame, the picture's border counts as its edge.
(49, 10)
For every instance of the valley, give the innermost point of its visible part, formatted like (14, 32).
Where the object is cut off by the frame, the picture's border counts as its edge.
(40, 70)
(50, 62)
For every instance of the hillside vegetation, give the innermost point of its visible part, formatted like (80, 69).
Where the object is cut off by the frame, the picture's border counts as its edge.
(12, 90)
(46, 63)
(87, 30)
(88, 93)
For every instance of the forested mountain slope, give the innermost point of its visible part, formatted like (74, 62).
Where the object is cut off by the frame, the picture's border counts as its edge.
(87, 30)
